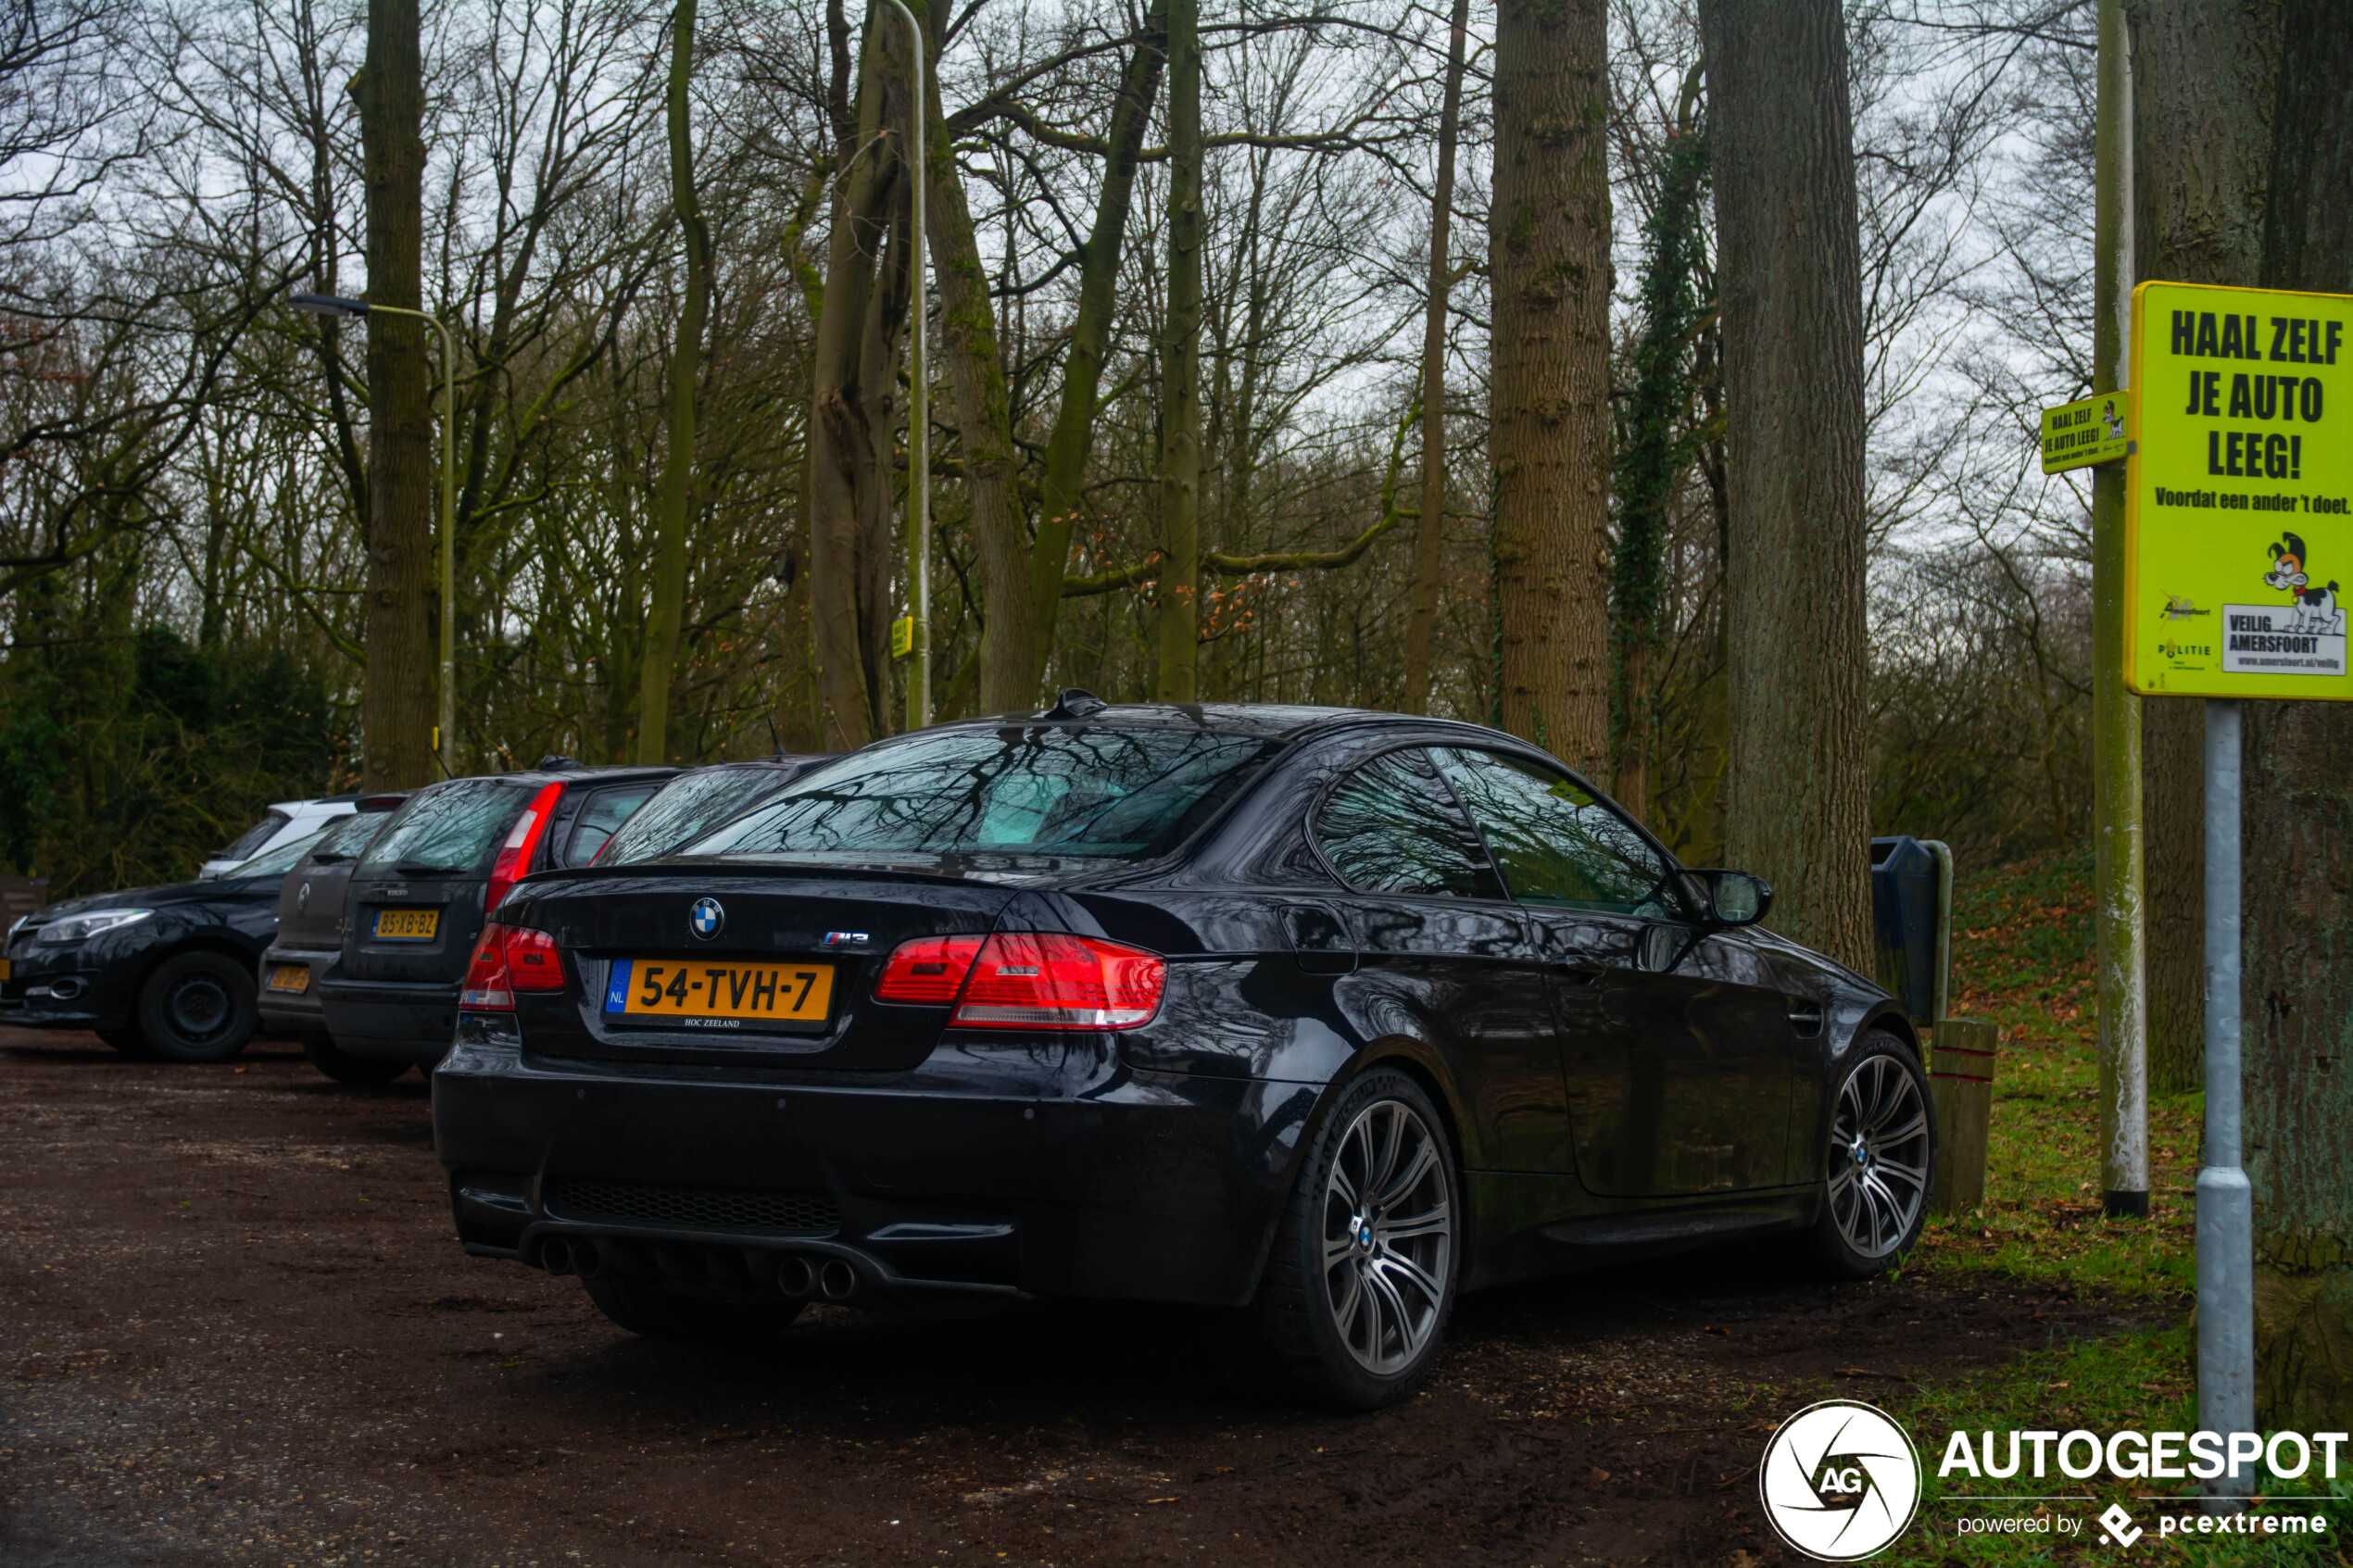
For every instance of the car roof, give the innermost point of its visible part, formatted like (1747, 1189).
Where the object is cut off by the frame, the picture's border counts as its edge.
(797, 759)
(583, 775)
(1270, 720)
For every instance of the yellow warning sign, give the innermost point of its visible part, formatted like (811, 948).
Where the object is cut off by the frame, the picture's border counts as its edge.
(2079, 434)
(2238, 512)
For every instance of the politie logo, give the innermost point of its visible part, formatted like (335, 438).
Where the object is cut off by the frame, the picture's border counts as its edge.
(1840, 1480)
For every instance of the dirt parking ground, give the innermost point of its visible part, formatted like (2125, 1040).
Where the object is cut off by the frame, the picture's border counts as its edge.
(235, 1329)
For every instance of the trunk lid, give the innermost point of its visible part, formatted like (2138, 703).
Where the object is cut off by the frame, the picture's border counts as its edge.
(415, 903)
(646, 949)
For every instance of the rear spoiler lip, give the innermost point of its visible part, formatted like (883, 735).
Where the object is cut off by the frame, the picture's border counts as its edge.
(759, 868)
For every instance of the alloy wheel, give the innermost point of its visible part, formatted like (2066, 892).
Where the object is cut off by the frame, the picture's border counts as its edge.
(1877, 1164)
(1388, 1236)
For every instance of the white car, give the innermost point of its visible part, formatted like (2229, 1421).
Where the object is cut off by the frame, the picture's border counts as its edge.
(283, 824)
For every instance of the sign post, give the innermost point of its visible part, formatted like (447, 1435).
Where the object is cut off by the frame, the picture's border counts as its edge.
(2238, 533)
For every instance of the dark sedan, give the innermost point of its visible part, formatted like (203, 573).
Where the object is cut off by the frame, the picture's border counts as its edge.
(154, 971)
(419, 895)
(1329, 1014)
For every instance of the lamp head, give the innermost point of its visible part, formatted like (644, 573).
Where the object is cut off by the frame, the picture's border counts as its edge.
(327, 304)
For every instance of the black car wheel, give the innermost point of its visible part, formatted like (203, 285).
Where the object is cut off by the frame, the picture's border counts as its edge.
(1361, 1280)
(1882, 1154)
(655, 1314)
(360, 1071)
(197, 1006)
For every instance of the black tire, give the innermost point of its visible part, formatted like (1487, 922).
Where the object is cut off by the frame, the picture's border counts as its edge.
(197, 1006)
(1879, 1162)
(128, 1040)
(1355, 1309)
(360, 1071)
(655, 1314)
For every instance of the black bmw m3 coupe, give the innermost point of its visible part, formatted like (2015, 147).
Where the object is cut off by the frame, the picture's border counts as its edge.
(1327, 1014)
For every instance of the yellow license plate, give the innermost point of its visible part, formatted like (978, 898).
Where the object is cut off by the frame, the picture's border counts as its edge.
(720, 996)
(407, 925)
(294, 977)
(6, 968)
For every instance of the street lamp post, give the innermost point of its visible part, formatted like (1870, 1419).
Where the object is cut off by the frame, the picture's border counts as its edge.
(336, 305)
(919, 413)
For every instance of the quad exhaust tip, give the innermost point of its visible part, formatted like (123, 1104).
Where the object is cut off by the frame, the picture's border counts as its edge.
(838, 1280)
(795, 1277)
(554, 1256)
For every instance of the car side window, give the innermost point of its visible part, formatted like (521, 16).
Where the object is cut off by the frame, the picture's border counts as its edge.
(1554, 842)
(605, 811)
(1392, 827)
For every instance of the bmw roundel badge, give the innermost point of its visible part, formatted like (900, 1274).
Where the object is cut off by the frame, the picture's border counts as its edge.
(707, 918)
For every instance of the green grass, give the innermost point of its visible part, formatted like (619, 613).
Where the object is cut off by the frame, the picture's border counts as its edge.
(2022, 959)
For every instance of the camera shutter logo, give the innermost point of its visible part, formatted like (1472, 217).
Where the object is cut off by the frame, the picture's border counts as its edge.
(1841, 1480)
(707, 919)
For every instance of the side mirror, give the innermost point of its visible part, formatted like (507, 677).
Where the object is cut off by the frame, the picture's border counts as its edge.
(1736, 897)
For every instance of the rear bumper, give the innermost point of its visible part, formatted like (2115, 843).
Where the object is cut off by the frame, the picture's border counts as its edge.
(293, 1015)
(997, 1169)
(389, 1020)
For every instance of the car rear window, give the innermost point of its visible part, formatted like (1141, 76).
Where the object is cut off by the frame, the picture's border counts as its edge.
(606, 810)
(690, 804)
(278, 861)
(447, 829)
(348, 836)
(249, 841)
(1050, 790)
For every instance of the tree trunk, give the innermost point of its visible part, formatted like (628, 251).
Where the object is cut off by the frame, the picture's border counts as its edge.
(1548, 260)
(1180, 368)
(675, 498)
(1062, 493)
(984, 416)
(1430, 529)
(2202, 90)
(1655, 452)
(396, 686)
(849, 426)
(1789, 277)
(2298, 842)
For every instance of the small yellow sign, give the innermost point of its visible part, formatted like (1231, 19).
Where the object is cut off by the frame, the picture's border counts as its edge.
(2076, 436)
(902, 636)
(2238, 511)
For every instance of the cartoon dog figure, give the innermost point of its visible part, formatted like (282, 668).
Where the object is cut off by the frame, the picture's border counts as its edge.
(2317, 611)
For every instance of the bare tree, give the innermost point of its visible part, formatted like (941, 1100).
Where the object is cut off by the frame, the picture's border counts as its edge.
(1790, 283)
(1548, 257)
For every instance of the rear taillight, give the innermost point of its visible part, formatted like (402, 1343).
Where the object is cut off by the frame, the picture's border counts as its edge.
(509, 959)
(927, 972)
(523, 841)
(1045, 980)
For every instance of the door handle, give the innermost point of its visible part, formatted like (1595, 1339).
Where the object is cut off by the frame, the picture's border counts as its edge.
(1574, 971)
(1805, 1018)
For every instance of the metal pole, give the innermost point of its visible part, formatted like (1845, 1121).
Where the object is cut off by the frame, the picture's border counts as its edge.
(919, 411)
(2226, 1201)
(2118, 914)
